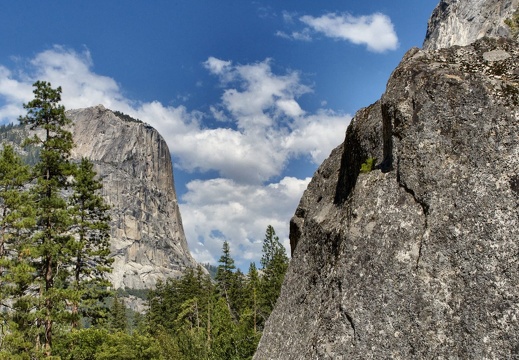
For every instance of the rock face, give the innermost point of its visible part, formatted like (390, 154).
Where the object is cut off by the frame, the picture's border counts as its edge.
(419, 258)
(133, 161)
(461, 22)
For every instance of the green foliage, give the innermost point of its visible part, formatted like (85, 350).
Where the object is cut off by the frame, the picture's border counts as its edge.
(91, 249)
(212, 269)
(118, 319)
(368, 165)
(53, 248)
(513, 23)
(138, 293)
(100, 344)
(126, 117)
(195, 318)
(16, 135)
(225, 277)
(17, 218)
(275, 264)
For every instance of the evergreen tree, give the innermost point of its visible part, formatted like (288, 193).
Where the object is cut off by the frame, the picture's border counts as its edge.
(16, 220)
(275, 263)
(237, 293)
(224, 275)
(118, 319)
(52, 243)
(252, 291)
(15, 211)
(91, 260)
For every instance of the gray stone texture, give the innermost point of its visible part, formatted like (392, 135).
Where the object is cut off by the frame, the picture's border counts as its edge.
(461, 22)
(418, 259)
(133, 162)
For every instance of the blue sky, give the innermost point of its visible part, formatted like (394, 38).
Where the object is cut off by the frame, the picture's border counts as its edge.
(251, 96)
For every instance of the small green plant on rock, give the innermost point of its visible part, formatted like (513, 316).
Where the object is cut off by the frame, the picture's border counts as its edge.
(513, 23)
(368, 165)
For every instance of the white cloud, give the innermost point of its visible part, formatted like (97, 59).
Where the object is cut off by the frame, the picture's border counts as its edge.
(376, 31)
(290, 107)
(288, 17)
(73, 72)
(262, 127)
(216, 66)
(316, 134)
(240, 212)
(303, 35)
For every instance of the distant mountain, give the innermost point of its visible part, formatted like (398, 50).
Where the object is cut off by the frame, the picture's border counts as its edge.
(133, 161)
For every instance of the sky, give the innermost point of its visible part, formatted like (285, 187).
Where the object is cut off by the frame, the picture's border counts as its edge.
(251, 96)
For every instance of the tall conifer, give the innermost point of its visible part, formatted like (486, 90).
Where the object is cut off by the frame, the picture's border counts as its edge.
(91, 260)
(275, 264)
(68, 248)
(16, 221)
(224, 274)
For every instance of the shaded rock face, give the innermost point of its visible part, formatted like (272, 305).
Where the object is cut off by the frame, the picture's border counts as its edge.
(461, 22)
(134, 164)
(419, 259)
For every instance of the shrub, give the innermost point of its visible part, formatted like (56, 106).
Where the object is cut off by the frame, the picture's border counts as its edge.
(368, 165)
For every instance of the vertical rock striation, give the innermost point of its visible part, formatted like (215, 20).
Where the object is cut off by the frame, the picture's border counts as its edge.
(461, 22)
(133, 161)
(419, 258)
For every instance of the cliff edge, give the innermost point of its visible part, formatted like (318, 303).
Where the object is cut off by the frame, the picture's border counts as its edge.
(418, 258)
(134, 164)
(461, 22)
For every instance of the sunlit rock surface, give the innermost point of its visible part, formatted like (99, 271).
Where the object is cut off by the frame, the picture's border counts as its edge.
(418, 259)
(133, 161)
(461, 22)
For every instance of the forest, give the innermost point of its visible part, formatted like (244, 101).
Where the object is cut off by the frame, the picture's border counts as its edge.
(56, 300)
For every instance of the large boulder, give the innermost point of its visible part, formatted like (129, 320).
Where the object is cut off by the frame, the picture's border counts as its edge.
(418, 258)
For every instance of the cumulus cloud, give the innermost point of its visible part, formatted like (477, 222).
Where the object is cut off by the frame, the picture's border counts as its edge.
(221, 209)
(315, 134)
(216, 66)
(262, 126)
(375, 31)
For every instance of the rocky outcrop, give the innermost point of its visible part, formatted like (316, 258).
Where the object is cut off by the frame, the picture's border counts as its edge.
(461, 22)
(419, 258)
(134, 164)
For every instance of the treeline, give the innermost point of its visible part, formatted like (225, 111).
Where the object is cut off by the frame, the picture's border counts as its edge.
(193, 317)
(190, 318)
(197, 318)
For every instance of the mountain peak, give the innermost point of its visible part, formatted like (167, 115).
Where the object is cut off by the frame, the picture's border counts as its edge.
(134, 164)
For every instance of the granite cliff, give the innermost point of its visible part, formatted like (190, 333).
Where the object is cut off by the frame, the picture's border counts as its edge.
(461, 22)
(418, 258)
(134, 164)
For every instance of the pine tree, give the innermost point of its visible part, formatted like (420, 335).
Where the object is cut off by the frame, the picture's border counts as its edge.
(52, 243)
(275, 263)
(118, 319)
(252, 291)
(224, 275)
(16, 221)
(15, 209)
(91, 260)
(237, 293)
